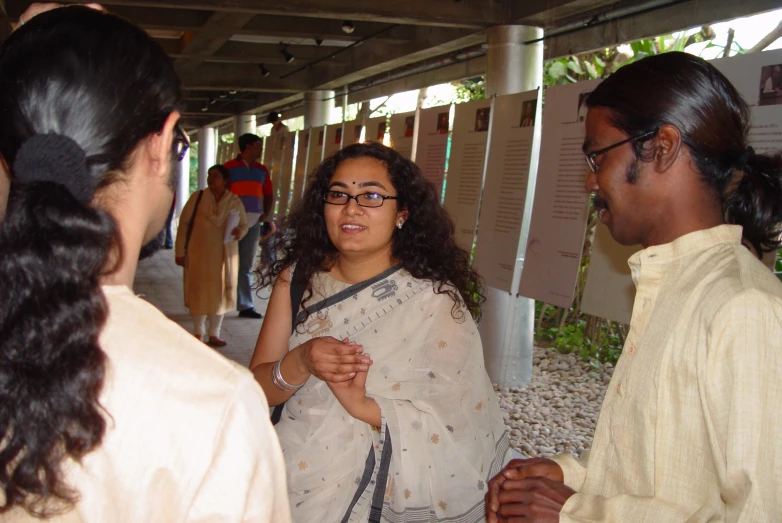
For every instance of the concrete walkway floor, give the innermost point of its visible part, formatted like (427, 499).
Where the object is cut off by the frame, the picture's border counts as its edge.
(159, 281)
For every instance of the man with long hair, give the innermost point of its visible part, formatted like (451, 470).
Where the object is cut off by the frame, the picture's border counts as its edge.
(109, 411)
(690, 424)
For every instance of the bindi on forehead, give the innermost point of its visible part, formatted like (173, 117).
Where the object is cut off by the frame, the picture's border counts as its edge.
(354, 183)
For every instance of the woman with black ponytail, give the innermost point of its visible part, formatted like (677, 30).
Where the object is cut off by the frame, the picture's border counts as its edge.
(109, 412)
(689, 428)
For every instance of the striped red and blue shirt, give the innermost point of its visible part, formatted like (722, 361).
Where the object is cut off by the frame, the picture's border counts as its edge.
(250, 182)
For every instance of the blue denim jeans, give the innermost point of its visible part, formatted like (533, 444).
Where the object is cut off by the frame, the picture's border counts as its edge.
(247, 249)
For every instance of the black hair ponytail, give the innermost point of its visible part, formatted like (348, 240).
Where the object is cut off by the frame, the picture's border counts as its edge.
(54, 251)
(756, 201)
(79, 90)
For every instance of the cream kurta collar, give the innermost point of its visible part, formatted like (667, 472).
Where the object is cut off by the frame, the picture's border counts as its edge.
(687, 245)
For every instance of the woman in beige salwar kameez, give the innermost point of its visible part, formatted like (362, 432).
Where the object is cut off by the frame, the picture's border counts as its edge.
(209, 261)
(413, 432)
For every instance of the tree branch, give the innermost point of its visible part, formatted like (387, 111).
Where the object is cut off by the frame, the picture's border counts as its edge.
(767, 40)
(731, 34)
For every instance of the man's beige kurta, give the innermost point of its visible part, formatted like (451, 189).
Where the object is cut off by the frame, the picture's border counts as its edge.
(188, 437)
(211, 267)
(691, 425)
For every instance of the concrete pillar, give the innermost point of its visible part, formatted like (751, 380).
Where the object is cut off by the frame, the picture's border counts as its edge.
(508, 325)
(207, 152)
(317, 108)
(183, 186)
(513, 67)
(342, 100)
(243, 124)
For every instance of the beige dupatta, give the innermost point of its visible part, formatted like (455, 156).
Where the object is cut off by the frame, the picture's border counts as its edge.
(211, 271)
(443, 434)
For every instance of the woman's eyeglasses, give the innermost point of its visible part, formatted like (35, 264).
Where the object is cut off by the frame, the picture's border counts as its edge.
(366, 199)
(181, 143)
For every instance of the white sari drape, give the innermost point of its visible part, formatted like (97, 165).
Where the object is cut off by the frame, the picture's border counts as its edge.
(443, 434)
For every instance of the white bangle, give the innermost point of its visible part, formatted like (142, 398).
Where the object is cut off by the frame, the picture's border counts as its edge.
(279, 381)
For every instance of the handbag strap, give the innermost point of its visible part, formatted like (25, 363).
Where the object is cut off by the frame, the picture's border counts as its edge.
(192, 220)
(298, 286)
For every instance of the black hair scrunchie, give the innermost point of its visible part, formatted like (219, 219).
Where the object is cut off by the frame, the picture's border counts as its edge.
(57, 159)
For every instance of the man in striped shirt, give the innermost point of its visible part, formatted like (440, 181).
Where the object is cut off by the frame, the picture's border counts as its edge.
(252, 183)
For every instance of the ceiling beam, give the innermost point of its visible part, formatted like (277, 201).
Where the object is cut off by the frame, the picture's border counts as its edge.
(464, 13)
(271, 53)
(324, 28)
(221, 26)
(252, 61)
(366, 60)
(428, 43)
(449, 73)
(653, 23)
(238, 77)
(163, 17)
(550, 14)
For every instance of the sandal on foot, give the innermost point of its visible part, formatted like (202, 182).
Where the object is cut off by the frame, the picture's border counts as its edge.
(216, 342)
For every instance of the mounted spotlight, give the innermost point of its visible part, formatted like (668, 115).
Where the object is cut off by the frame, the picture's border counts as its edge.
(264, 71)
(319, 41)
(223, 95)
(348, 27)
(285, 54)
(231, 92)
(212, 101)
(205, 108)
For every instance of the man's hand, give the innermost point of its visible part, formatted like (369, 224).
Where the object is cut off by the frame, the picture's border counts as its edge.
(517, 470)
(236, 233)
(533, 499)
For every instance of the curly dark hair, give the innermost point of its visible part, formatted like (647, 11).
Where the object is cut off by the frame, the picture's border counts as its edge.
(106, 85)
(425, 246)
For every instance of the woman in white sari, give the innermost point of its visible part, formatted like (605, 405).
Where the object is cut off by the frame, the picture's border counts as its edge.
(211, 264)
(413, 432)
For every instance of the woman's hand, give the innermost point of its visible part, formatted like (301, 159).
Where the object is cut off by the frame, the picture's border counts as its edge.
(236, 233)
(352, 394)
(331, 360)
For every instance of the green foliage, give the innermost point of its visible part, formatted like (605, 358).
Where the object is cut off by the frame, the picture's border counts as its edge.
(471, 89)
(600, 64)
(578, 68)
(193, 167)
(605, 346)
(594, 339)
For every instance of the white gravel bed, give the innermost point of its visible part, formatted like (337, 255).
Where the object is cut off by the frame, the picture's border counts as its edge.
(557, 411)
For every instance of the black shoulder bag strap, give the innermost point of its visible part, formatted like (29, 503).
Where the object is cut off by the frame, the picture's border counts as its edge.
(298, 286)
(192, 221)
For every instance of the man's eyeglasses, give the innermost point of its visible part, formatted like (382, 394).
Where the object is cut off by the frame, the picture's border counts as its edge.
(590, 157)
(366, 199)
(181, 143)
